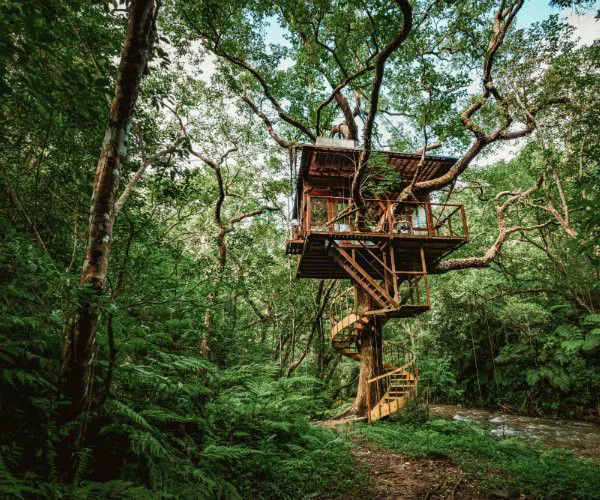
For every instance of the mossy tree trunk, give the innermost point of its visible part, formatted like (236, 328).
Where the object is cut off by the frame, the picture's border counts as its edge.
(80, 342)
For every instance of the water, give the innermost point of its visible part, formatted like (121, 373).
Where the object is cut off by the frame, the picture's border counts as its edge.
(582, 438)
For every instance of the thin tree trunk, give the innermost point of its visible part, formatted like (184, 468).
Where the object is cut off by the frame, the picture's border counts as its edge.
(80, 344)
(17, 203)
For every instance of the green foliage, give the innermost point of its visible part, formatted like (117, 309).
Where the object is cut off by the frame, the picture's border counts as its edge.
(524, 334)
(383, 179)
(513, 464)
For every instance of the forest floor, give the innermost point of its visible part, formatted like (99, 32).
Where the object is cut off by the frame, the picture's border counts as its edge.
(472, 455)
(394, 475)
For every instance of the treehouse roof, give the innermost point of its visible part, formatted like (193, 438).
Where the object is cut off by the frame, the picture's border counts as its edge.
(333, 165)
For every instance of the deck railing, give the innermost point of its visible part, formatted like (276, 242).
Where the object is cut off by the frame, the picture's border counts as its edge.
(336, 215)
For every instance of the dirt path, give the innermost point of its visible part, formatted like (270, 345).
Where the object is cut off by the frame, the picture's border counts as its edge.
(395, 476)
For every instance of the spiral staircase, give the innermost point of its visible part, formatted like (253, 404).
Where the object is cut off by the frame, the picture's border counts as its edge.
(388, 392)
(393, 388)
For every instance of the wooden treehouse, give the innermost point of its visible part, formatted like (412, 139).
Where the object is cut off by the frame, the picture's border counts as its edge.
(385, 253)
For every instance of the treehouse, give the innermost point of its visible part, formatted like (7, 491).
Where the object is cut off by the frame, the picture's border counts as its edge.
(385, 249)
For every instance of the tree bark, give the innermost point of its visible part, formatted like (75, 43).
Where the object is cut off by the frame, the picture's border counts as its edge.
(80, 344)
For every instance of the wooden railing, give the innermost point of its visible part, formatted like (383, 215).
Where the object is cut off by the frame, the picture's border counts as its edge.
(396, 385)
(336, 215)
(343, 305)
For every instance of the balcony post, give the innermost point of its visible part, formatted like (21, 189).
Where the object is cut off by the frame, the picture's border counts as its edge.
(464, 222)
(429, 218)
(368, 395)
(424, 268)
(394, 273)
(330, 203)
(308, 214)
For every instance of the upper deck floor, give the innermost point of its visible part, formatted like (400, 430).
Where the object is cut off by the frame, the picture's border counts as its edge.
(408, 228)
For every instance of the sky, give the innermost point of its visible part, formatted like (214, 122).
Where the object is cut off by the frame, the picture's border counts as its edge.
(535, 10)
(531, 12)
(585, 25)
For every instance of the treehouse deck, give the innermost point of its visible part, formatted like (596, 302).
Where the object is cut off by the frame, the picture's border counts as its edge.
(316, 262)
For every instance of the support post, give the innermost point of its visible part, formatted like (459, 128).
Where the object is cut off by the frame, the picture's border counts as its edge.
(429, 218)
(425, 282)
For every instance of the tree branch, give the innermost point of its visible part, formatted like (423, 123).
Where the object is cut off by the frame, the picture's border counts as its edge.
(317, 320)
(278, 139)
(379, 63)
(241, 63)
(17, 203)
(492, 252)
(145, 161)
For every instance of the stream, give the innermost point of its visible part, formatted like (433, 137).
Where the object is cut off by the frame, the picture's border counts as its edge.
(580, 437)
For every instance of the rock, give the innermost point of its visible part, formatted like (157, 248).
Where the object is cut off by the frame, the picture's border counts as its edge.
(503, 431)
(460, 418)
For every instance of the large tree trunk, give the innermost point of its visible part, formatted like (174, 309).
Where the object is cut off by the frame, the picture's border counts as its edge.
(80, 344)
(371, 362)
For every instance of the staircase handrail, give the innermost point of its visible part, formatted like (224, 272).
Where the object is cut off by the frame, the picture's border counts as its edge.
(404, 367)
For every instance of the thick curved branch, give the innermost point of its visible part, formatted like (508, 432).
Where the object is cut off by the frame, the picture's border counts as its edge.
(379, 63)
(505, 232)
(348, 115)
(490, 254)
(503, 19)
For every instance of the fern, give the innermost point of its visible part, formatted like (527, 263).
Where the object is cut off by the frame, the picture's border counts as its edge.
(146, 444)
(224, 453)
(131, 415)
(115, 489)
(84, 458)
